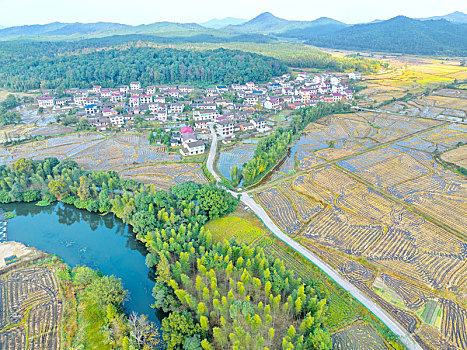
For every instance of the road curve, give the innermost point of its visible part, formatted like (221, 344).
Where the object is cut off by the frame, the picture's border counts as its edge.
(405, 337)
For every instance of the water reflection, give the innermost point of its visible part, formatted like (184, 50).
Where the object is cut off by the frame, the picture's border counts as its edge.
(83, 238)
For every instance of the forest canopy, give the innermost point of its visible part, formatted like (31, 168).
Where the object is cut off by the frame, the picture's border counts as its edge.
(115, 67)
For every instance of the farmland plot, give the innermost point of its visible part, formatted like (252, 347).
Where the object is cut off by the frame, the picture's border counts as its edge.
(359, 336)
(365, 215)
(30, 294)
(129, 154)
(234, 156)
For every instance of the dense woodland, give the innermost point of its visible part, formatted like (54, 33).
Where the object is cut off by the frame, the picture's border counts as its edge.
(272, 148)
(216, 295)
(400, 34)
(114, 67)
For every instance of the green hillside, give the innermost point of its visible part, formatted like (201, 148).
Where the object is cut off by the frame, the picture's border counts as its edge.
(400, 34)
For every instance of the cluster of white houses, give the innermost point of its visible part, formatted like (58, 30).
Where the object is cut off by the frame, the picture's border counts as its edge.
(231, 108)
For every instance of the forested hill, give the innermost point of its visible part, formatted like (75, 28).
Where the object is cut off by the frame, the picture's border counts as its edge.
(115, 67)
(400, 34)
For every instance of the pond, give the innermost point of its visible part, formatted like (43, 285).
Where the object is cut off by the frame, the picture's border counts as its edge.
(79, 237)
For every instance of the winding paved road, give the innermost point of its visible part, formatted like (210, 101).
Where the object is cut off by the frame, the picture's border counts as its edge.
(382, 314)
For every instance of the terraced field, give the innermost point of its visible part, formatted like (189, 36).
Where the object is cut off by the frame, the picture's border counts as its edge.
(31, 310)
(387, 204)
(129, 154)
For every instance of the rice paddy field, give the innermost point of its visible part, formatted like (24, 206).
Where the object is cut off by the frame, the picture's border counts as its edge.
(412, 75)
(128, 153)
(382, 211)
(232, 156)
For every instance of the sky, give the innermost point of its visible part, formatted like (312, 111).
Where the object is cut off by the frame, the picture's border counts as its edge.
(20, 12)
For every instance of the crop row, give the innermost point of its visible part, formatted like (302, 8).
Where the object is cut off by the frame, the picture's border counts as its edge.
(358, 337)
(281, 209)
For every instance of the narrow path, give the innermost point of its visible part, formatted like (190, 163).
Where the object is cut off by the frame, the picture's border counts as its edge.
(405, 337)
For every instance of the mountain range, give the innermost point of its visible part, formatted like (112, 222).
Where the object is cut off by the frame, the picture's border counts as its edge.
(435, 35)
(400, 34)
(223, 22)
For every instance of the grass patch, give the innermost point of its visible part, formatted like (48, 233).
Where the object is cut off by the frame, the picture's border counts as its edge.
(234, 226)
(43, 203)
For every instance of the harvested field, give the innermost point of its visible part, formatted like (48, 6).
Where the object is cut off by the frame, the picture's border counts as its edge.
(359, 336)
(129, 154)
(388, 204)
(457, 156)
(30, 317)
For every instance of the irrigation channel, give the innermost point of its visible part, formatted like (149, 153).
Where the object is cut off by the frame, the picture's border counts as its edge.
(79, 237)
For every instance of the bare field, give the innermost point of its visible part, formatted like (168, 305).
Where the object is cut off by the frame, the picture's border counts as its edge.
(457, 156)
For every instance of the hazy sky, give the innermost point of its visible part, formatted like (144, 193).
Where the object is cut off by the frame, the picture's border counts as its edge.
(19, 12)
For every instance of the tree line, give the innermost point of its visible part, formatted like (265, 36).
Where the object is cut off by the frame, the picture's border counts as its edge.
(273, 148)
(114, 67)
(217, 295)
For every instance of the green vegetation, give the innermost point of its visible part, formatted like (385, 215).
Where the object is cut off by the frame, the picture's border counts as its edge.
(233, 226)
(400, 34)
(272, 148)
(115, 67)
(299, 56)
(216, 295)
(7, 114)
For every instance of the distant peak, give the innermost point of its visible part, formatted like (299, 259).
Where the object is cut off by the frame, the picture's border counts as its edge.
(265, 15)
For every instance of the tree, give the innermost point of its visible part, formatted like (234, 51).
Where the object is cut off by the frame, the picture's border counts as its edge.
(83, 189)
(59, 188)
(177, 327)
(108, 290)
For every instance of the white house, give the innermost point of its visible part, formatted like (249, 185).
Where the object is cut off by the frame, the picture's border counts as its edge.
(106, 93)
(117, 120)
(134, 101)
(116, 97)
(335, 80)
(91, 109)
(193, 148)
(259, 123)
(251, 99)
(124, 89)
(176, 108)
(272, 104)
(150, 90)
(145, 99)
(355, 76)
(46, 102)
(225, 128)
(204, 115)
(135, 85)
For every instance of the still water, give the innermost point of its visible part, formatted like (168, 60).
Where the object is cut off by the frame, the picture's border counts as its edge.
(103, 243)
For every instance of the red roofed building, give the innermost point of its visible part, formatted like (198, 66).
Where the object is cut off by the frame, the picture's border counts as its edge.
(185, 129)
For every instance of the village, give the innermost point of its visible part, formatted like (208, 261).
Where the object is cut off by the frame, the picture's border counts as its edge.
(234, 111)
